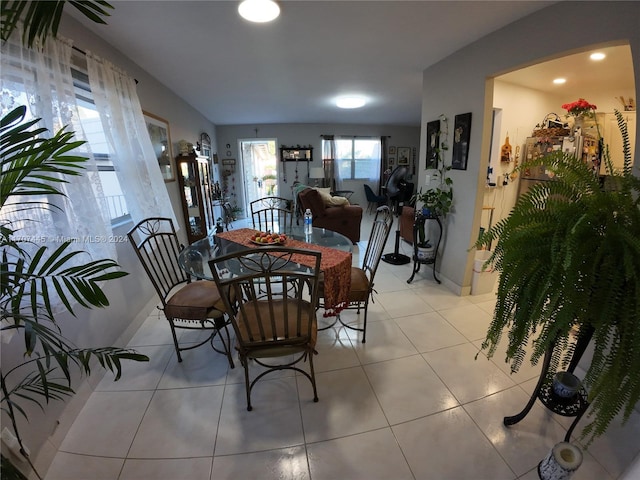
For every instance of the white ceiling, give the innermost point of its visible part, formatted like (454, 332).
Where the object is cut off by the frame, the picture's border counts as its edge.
(288, 71)
(584, 76)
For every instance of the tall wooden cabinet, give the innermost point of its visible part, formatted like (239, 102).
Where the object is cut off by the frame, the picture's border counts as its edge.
(196, 191)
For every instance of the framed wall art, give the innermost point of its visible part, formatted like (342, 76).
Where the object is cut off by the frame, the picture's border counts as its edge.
(404, 154)
(433, 144)
(461, 136)
(158, 129)
(392, 150)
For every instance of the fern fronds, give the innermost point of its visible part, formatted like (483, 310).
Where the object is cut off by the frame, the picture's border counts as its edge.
(569, 257)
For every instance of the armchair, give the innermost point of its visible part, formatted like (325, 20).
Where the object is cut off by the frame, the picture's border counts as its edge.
(344, 219)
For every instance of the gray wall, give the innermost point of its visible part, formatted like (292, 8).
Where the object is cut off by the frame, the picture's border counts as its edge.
(309, 134)
(462, 83)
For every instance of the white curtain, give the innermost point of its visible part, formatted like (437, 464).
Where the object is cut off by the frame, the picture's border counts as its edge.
(131, 151)
(40, 78)
(331, 170)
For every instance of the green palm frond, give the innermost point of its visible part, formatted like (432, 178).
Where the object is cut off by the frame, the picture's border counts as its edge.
(29, 163)
(569, 255)
(41, 19)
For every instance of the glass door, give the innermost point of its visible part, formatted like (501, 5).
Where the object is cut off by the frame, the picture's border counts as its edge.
(259, 169)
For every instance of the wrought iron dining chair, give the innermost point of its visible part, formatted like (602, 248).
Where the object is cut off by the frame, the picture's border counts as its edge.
(274, 214)
(362, 278)
(186, 305)
(275, 324)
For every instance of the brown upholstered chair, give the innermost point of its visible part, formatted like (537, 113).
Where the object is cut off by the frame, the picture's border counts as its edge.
(362, 277)
(272, 293)
(186, 304)
(345, 219)
(407, 218)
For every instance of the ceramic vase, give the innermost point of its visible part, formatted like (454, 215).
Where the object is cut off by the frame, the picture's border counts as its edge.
(561, 462)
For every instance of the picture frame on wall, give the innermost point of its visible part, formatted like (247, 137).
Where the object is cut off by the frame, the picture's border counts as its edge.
(160, 137)
(391, 161)
(392, 150)
(404, 154)
(433, 144)
(461, 136)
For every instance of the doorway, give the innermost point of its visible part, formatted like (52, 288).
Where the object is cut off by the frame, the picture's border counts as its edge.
(259, 169)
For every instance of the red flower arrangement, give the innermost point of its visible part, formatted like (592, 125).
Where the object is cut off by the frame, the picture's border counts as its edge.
(579, 107)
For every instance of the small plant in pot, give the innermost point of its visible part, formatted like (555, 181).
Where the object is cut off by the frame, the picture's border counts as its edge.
(436, 201)
(569, 258)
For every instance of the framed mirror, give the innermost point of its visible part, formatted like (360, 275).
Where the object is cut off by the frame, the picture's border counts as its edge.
(158, 129)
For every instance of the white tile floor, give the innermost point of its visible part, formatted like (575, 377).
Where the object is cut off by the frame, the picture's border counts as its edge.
(411, 403)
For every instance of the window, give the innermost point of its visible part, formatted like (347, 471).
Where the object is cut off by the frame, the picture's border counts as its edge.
(357, 158)
(111, 196)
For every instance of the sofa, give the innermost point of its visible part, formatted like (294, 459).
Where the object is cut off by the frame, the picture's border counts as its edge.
(344, 219)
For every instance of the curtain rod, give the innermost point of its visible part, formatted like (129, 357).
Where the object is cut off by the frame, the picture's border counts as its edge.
(357, 136)
(85, 54)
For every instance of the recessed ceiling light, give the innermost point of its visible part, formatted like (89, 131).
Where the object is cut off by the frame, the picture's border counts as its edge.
(350, 102)
(559, 81)
(259, 11)
(597, 56)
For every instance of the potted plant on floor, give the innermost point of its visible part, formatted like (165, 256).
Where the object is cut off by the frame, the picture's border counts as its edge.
(569, 258)
(32, 167)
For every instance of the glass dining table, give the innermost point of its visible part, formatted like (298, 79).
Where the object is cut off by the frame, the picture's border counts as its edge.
(335, 261)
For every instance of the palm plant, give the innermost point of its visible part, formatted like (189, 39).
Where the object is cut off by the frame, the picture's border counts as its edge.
(569, 257)
(32, 166)
(41, 19)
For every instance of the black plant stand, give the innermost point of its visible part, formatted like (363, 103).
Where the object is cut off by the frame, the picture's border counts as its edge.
(419, 222)
(572, 407)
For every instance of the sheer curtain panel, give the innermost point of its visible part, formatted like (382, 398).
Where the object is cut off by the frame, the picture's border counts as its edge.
(130, 148)
(41, 79)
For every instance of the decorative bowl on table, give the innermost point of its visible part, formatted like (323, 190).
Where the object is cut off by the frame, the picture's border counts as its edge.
(266, 238)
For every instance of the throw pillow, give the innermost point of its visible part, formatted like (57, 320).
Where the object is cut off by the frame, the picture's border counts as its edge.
(329, 201)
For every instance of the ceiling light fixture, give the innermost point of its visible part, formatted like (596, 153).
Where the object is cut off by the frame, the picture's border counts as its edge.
(559, 81)
(350, 102)
(259, 11)
(597, 56)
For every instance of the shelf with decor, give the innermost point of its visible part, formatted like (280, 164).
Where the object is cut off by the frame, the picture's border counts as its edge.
(196, 195)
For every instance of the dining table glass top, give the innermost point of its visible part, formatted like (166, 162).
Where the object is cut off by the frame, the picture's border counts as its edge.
(194, 259)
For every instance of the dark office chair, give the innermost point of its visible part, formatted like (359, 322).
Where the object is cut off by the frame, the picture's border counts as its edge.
(186, 304)
(272, 293)
(374, 200)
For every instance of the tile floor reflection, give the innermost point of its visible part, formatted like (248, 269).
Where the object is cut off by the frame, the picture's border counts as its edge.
(411, 403)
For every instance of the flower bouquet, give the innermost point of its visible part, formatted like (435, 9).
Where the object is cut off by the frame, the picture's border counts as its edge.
(579, 108)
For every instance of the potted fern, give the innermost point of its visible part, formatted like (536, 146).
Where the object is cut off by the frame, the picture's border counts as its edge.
(569, 258)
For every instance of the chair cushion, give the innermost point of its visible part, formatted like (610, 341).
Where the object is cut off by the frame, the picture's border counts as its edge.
(247, 322)
(359, 291)
(195, 301)
(359, 285)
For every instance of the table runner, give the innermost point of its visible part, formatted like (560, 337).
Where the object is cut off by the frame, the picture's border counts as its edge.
(335, 264)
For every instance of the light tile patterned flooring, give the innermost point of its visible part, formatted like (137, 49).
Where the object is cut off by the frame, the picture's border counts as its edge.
(411, 403)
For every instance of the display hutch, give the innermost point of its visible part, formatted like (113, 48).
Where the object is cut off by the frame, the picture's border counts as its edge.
(196, 190)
